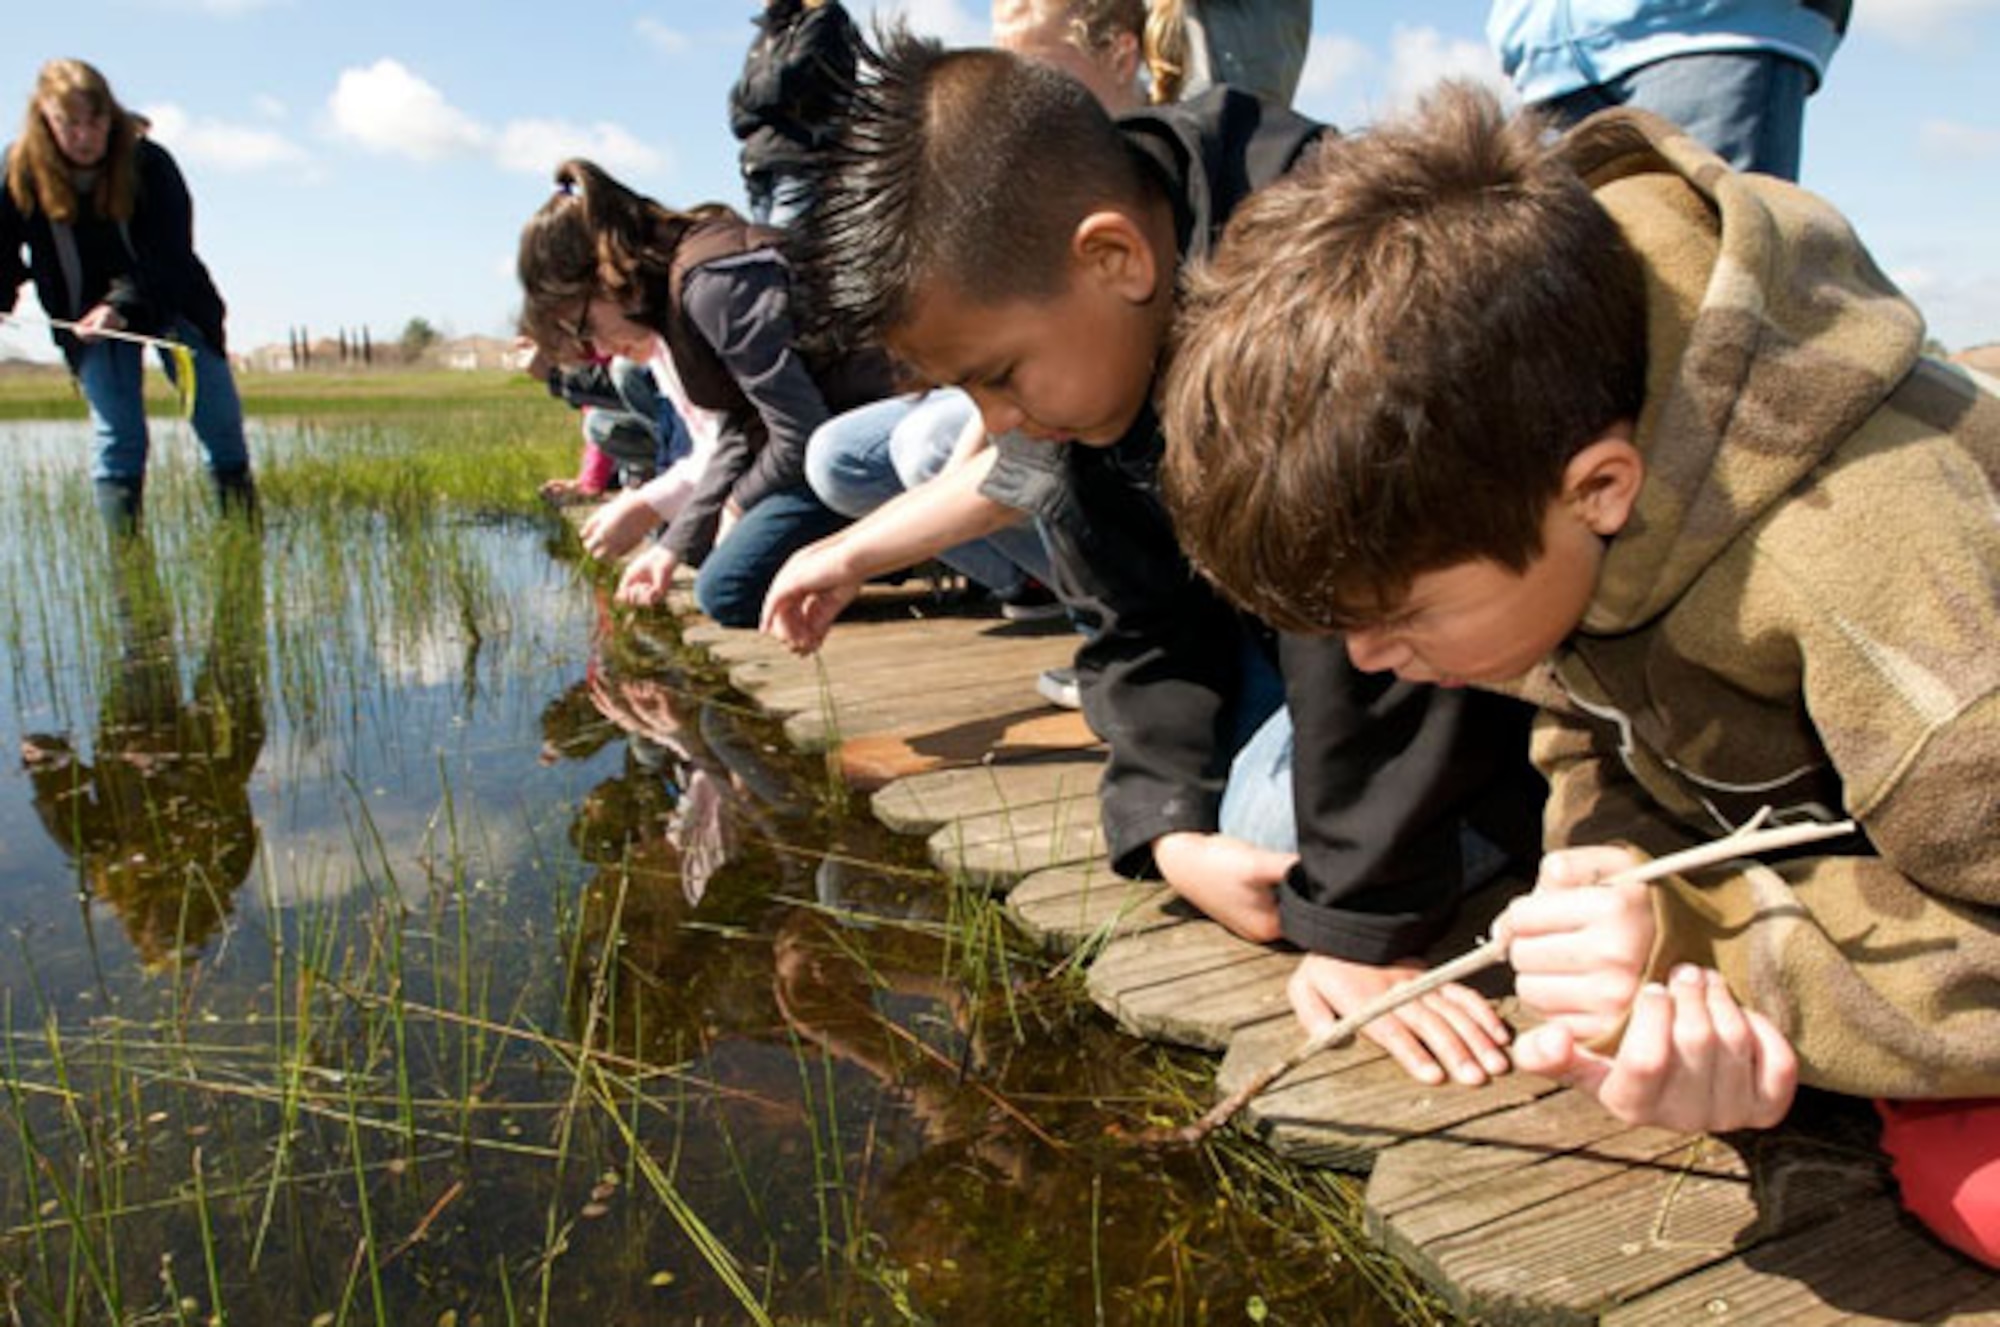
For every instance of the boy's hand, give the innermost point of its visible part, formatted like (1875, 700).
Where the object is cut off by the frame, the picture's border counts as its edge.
(1579, 950)
(647, 577)
(1691, 1059)
(805, 597)
(1453, 1030)
(1234, 882)
(616, 527)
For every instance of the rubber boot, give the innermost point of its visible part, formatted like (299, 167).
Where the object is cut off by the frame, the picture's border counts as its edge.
(236, 494)
(119, 503)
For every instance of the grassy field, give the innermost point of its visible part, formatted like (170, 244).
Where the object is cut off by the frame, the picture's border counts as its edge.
(47, 392)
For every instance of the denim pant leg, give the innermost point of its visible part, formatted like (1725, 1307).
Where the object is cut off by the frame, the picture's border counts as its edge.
(218, 410)
(1257, 802)
(1747, 106)
(730, 587)
(849, 466)
(919, 447)
(112, 375)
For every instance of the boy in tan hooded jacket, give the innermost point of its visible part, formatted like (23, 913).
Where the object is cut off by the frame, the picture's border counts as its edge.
(1652, 443)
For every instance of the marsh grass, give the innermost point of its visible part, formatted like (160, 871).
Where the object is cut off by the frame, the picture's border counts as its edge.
(421, 1049)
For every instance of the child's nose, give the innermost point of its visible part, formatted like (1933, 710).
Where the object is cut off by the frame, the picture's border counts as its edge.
(998, 415)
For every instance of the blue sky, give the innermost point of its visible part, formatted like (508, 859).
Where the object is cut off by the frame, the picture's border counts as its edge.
(364, 162)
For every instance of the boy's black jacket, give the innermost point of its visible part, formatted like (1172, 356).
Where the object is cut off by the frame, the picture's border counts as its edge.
(1384, 771)
(146, 269)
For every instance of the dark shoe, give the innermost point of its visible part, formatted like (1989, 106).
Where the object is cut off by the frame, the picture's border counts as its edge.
(1032, 602)
(120, 503)
(1058, 686)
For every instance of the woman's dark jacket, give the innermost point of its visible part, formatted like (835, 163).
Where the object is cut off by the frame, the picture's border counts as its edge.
(1383, 771)
(795, 81)
(145, 268)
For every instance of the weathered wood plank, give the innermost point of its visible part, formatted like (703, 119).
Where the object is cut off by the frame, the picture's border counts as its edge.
(1639, 1228)
(1872, 1266)
(1067, 907)
(1194, 984)
(924, 802)
(817, 728)
(872, 759)
(996, 850)
(1343, 1107)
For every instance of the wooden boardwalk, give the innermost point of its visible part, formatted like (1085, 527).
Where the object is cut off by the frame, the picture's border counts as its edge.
(1519, 1202)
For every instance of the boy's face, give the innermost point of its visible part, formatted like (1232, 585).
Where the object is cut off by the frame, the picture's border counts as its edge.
(1480, 621)
(1074, 366)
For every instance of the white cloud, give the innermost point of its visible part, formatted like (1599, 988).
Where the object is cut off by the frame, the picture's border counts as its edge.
(1918, 22)
(666, 40)
(1960, 299)
(953, 23)
(386, 108)
(1952, 139)
(1333, 63)
(270, 107)
(1420, 58)
(533, 147)
(219, 144)
(220, 8)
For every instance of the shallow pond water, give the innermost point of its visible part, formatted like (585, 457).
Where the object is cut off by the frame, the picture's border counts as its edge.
(393, 936)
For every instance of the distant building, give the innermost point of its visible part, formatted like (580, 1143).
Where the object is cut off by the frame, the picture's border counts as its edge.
(470, 354)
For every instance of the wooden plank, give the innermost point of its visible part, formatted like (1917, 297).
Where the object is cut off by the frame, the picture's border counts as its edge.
(1068, 907)
(995, 851)
(1874, 1265)
(870, 760)
(1641, 1227)
(1194, 984)
(1006, 668)
(923, 802)
(816, 730)
(1343, 1107)
(1430, 1169)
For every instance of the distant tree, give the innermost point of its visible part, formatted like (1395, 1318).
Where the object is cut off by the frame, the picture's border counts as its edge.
(1936, 349)
(418, 336)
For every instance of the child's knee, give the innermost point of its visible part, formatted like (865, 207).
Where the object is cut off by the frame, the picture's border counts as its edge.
(1946, 1156)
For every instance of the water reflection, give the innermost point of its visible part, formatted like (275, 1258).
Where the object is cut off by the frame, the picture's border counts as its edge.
(156, 816)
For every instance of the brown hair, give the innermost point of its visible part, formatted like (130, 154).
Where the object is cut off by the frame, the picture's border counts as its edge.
(1390, 360)
(38, 174)
(595, 237)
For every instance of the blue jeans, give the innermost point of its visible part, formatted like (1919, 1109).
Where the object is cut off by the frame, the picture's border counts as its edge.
(777, 197)
(1749, 107)
(1257, 802)
(113, 377)
(731, 584)
(859, 460)
(646, 436)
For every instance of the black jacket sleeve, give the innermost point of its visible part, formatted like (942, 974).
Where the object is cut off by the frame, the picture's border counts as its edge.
(585, 385)
(13, 243)
(1385, 773)
(167, 278)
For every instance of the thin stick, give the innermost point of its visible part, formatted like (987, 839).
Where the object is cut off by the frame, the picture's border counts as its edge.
(66, 325)
(1747, 841)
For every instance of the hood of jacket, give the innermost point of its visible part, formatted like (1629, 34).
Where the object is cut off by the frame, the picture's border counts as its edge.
(1772, 335)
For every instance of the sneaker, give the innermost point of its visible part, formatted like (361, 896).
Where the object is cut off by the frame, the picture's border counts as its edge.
(1058, 686)
(1032, 602)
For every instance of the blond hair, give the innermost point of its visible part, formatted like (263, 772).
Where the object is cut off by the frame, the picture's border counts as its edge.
(38, 174)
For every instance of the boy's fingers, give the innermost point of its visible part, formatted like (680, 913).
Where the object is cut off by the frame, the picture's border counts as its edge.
(1393, 1035)
(1777, 1070)
(1640, 1074)
(1576, 868)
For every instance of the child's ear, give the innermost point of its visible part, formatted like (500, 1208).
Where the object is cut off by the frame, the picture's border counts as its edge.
(1111, 248)
(1601, 482)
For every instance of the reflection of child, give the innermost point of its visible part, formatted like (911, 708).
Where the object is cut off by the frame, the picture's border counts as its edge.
(1654, 441)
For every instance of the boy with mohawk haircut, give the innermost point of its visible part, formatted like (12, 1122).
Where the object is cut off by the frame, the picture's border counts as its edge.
(991, 225)
(1604, 423)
